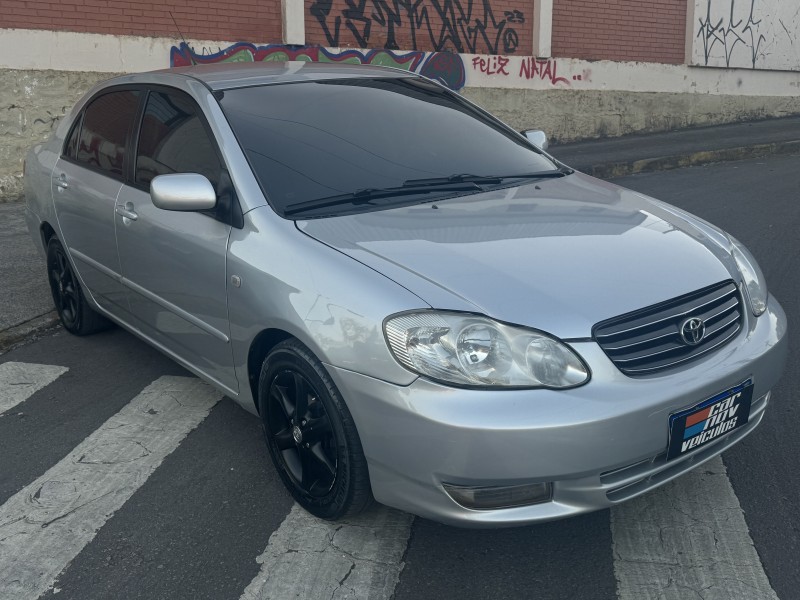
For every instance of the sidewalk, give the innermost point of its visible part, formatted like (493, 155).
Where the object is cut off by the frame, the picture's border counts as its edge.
(26, 306)
(617, 157)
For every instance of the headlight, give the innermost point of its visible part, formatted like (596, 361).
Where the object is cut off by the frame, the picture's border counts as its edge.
(751, 275)
(469, 350)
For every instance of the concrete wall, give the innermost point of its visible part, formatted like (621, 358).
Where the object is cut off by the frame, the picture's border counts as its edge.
(575, 115)
(42, 73)
(31, 104)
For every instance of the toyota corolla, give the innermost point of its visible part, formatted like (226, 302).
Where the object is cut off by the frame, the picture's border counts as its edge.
(421, 305)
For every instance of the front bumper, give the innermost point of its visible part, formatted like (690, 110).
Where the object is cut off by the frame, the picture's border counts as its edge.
(599, 444)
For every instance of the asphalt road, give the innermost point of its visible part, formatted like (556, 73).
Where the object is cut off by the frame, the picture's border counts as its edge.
(193, 525)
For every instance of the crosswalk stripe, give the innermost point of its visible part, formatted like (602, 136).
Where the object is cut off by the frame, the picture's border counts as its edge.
(307, 557)
(19, 381)
(46, 524)
(688, 539)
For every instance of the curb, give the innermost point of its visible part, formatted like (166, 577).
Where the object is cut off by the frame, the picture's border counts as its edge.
(19, 333)
(696, 159)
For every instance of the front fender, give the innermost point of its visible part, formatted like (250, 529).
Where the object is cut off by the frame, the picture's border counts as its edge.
(327, 300)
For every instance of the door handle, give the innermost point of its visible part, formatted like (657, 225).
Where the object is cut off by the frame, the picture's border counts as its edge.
(127, 211)
(61, 182)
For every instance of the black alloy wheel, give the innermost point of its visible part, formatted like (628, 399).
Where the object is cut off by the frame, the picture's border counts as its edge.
(301, 430)
(311, 436)
(63, 286)
(76, 315)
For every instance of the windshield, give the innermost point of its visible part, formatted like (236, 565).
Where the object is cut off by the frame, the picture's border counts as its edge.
(315, 140)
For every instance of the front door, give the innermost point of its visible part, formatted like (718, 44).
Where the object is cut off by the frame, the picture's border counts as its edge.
(173, 263)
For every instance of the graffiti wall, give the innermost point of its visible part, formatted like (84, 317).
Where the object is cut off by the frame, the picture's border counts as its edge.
(464, 26)
(445, 67)
(753, 34)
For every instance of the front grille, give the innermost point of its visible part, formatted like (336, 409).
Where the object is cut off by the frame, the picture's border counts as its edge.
(649, 340)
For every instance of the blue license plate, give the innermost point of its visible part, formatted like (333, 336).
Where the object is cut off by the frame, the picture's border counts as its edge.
(708, 421)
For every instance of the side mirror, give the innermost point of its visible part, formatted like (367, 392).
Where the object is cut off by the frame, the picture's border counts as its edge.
(183, 191)
(537, 138)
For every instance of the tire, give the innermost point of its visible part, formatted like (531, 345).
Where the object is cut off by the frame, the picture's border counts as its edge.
(313, 442)
(76, 315)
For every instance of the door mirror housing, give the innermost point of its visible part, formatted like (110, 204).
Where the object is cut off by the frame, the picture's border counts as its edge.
(183, 191)
(537, 137)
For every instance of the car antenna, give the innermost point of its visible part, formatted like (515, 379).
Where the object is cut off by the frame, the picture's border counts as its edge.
(191, 55)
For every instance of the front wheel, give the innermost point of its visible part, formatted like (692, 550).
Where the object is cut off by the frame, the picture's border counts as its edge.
(310, 433)
(76, 315)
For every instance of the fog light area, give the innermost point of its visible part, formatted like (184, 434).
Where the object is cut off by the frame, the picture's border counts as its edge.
(506, 496)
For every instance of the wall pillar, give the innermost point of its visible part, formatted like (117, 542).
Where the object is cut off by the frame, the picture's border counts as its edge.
(542, 28)
(294, 23)
(690, 31)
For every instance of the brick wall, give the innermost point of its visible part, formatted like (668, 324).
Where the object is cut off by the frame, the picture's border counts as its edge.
(481, 27)
(224, 20)
(635, 30)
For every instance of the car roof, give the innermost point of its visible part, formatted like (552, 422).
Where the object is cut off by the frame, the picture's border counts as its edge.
(226, 76)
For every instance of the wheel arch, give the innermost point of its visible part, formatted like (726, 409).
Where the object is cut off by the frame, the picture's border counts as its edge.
(47, 232)
(260, 347)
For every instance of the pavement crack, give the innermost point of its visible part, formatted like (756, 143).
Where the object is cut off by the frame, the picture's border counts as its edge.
(347, 576)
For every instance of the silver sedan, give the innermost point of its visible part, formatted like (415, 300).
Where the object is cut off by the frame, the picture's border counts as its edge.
(421, 305)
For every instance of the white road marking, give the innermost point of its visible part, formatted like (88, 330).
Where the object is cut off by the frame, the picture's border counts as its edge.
(45, 525)
(686, 541)
(306, 557)
(19, 381)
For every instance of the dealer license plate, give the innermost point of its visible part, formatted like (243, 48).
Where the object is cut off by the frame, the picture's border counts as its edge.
(708, 421)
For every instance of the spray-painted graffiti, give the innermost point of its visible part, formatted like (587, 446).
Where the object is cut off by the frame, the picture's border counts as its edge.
(545, 69)
(525, 67)
(468, 26)
(757, 34)
(445, 67)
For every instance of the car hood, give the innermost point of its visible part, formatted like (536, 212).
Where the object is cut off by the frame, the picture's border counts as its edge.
(559, 255)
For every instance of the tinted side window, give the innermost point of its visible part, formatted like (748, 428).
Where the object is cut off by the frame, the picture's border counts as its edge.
(71, 147)
(173, 140)
(106, 122)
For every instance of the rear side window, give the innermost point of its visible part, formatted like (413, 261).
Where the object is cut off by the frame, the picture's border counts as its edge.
(173, 139)
(106, 122)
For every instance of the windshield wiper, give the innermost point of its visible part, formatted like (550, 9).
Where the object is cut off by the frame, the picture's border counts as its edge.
(485, 179)
(367, 196)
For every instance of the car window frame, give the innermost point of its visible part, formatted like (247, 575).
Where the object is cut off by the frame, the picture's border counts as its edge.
(126, 159)
(233, 215)
(75, 128)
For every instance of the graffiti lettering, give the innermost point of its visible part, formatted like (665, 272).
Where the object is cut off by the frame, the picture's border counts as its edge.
(730, 32)
(491, 65)
(445, 67)
(464, 26)
(545, 69)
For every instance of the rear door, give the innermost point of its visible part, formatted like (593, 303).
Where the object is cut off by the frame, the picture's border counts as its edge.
(86, 181)
(174, 262)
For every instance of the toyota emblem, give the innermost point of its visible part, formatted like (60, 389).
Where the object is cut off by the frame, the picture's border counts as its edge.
(693, 330)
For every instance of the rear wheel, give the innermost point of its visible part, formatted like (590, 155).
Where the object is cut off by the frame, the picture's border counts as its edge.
(76, 315)
(310, 433)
